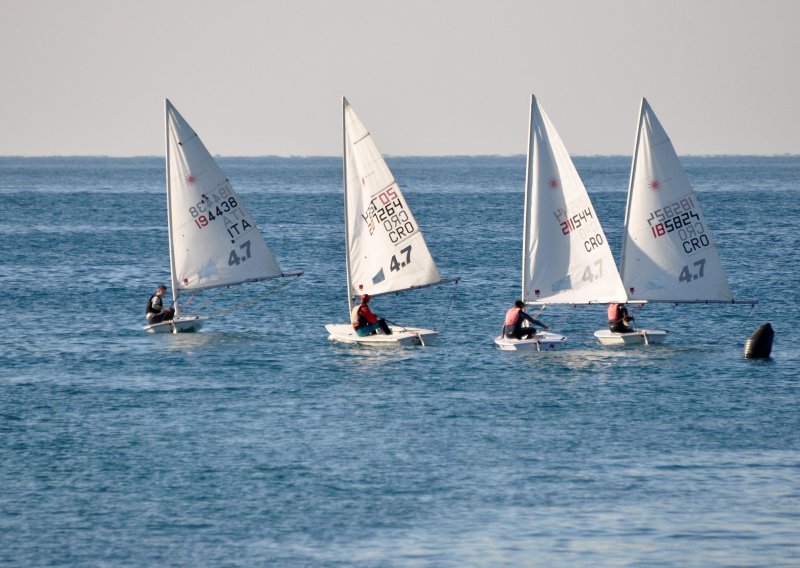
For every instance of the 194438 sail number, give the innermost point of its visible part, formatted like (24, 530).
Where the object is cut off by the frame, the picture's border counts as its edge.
(202, 220)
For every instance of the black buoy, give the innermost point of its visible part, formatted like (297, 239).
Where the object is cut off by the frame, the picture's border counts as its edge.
(759, 345)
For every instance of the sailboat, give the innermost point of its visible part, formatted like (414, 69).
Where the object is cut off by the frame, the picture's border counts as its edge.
(565, 256)
(384, 247)
(668, 254)
(213, 240)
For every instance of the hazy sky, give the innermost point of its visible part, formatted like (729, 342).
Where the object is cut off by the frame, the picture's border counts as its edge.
(427, 77)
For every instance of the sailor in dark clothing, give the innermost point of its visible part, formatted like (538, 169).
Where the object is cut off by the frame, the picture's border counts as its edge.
(515, 317)
(618, 319)
(156, 312)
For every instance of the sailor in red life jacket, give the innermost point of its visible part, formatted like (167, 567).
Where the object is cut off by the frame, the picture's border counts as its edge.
(515, 317)
(618, 318)
(365, 322)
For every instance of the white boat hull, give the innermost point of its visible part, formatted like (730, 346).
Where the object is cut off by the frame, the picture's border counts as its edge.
(401, 336)
(637, 337)
(542, 341)
(178, 325)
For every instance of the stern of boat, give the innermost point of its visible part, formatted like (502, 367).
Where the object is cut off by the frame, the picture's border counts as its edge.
(180, 325)
(542, 341)
(637, 337)
(401, 336)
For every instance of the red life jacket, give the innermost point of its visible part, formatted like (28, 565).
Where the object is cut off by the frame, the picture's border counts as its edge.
(512, 316)
(616, 312)
(361, 316)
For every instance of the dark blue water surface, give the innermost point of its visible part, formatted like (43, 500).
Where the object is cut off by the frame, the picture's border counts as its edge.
(258, 441)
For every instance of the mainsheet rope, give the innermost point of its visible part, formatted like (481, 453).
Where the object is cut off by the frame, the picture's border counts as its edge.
(444, 321)
(436, 329)
(752, 307)
(449, 305)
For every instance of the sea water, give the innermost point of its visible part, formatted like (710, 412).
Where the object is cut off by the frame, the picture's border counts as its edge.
(257, 441)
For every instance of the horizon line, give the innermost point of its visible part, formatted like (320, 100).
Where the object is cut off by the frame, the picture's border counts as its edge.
(338, 156)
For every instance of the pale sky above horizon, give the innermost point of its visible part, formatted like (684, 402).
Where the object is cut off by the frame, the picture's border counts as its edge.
(89, 77)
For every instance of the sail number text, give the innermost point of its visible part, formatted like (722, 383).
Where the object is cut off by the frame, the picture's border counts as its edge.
(203, 216)
(590, 275)
(681, 217)
(204, 211)
(235, 259)
(220, 205)
(388, 209)
(570, 224)
(395, 265)
(687, 275)
(580, 222)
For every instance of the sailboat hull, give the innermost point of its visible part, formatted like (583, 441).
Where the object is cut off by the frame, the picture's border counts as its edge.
(542, 341)
(638, 337)
(400, 337)
(179, 325)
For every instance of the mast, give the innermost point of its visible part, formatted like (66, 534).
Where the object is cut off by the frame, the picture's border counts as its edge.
(630, 186)
(525, 227)
(346, 219)
(173, 280)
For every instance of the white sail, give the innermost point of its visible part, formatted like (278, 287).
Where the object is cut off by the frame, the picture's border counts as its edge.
(668, 253)
(385, 248)
(213, 239)
(566, 258)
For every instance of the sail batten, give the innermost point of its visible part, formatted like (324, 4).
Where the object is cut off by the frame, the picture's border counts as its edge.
(214, 240)
(668, 253)
(566, 258)
(386, 251)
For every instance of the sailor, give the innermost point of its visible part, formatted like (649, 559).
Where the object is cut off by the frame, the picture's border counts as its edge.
(618, 319)
(156, 312)
(515, 317)
(365, 322)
